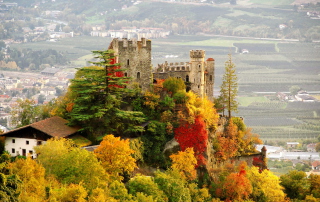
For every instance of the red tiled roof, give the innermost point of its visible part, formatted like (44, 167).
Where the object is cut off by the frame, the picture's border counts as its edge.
(55, 127)
(210, 59)
(316, 163)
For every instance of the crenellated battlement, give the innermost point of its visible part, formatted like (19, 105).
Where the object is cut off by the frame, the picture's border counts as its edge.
(197, 53)
(131, 43)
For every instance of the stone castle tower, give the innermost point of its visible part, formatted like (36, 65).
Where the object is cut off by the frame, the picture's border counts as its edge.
(135, 57)
(198, 73)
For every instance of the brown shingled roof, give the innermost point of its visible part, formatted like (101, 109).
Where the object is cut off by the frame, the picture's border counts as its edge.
(55, 127)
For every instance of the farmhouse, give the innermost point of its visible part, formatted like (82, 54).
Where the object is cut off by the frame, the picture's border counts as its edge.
(22, 140)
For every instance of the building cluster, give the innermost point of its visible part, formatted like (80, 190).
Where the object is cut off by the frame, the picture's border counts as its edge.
(130, 32)
(46, 84)
(301, 96)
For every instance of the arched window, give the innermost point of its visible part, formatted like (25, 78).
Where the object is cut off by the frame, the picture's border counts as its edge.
(187, 78)
(172, 69)
(178, 68)
(138, 75)
(183, 68)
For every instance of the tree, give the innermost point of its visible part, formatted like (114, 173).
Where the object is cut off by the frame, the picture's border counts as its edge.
(71, 164)
(265, 186)
(294, 90)
(184, 162)
(24, 112)
(115, 156)
(174, 85)
(237, 186)
(96, 98)
(41, 98)
(229, 87)
(146, 185)
(174, 187)
(33, 180)
(193, 136)
(296, 184)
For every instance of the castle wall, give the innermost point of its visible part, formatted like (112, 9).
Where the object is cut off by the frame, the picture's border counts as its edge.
(135, 57)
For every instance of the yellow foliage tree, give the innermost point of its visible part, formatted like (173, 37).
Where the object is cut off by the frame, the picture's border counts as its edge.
(265, 185)
(115, 156)
(69, 193)
(33, 180)
(202, 107)
(185, 162)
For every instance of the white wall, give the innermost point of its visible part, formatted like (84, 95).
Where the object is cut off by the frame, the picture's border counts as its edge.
(20, 144)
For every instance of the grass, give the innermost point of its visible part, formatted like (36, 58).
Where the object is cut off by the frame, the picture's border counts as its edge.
(246, 101)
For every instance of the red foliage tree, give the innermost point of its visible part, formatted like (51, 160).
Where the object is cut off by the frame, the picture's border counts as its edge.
(193, 135)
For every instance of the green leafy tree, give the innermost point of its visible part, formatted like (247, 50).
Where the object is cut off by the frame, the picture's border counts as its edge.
(171, 183)
(71, 164)
(24, 112)
(146, 185)
(97, 93)
(174, 85)
(229, 87)
(296, 184)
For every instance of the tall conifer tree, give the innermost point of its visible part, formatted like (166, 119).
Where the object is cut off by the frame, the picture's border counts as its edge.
(97, 92)
(229, 87)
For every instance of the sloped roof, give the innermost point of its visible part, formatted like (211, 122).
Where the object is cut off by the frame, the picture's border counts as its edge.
(316, 163)
(54, 127)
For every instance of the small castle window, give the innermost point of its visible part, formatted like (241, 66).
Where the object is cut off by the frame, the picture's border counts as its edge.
(183, 68)
(13, 150)
(138, 75)
(198, 86)
(178, 68)
(187, 78)
(172, 69)
(125, 74)
(128, 62)
(210, 77)
(199, 66)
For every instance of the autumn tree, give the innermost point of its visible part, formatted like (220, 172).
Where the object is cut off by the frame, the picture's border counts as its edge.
(146, 185)
(115, 156)
(185, 163)
(237, 186)
(193, 136)
(33, 180)
(229, 87)
(71, 164)
(226, 142)
(174, 85)
(174, 187)
(97, 93)
(265, 185)
(9, 187)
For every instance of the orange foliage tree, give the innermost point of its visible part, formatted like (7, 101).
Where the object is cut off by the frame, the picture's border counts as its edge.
(193, 136)
(237, 186)
(226, 145)
(115, 156)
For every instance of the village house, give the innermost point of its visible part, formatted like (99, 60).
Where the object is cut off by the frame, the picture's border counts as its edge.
(316, 166)
(22, 141)
(311, 147)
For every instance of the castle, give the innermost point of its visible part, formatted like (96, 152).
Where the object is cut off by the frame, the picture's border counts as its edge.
(135, 57)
